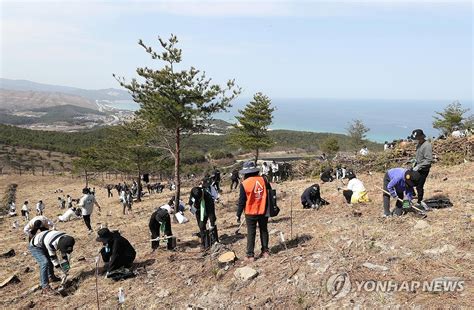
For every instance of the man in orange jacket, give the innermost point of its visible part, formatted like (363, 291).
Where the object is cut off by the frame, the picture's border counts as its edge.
(253, 200)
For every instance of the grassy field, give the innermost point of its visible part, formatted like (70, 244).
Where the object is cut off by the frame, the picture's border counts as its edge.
(320, 244)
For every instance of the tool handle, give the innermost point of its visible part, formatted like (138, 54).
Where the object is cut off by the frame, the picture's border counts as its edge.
(398, 198)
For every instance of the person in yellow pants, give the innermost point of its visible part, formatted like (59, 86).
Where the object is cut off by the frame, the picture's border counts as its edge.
(355, 192)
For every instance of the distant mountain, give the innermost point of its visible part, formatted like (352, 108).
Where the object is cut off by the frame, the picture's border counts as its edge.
(21, 100)
(95, 94)
(69, 114)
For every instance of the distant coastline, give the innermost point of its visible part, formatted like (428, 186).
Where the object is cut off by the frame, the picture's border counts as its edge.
(387, 119)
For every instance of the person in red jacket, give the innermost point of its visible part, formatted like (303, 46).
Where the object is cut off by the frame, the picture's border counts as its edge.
(253, 201)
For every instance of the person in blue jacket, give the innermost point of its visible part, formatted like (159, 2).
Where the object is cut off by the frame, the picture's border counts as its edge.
(399, 183)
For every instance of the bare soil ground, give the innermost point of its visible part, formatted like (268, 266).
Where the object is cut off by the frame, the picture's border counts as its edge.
(321, 243)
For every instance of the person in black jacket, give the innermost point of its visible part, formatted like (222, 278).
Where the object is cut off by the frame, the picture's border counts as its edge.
(160, 221)
(117, 251)
(234, 177)
(311, 197)
(327, 175)
(202, 204)
(216, 179)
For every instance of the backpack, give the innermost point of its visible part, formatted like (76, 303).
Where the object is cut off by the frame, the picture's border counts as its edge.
(438, 202)
(271, 200)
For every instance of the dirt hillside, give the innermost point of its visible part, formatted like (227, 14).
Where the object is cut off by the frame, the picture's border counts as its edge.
(320, 244)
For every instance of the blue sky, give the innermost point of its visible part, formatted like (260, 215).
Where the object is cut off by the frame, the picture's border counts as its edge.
(286, 49)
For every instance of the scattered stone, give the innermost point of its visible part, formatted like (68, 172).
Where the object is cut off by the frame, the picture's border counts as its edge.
(27, 269)
(437, 251)
(8, 254)
(392, 259)
(189, 282)
(421, 224)
(31, 304)
(81, 258)
(226, 259)
(374, 267)
(10, 280)
(245, 273)
(163, 293)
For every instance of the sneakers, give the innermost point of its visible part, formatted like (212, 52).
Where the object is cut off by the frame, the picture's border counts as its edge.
(265, 254)
(249, 259)
(48, 291)
(54, 278)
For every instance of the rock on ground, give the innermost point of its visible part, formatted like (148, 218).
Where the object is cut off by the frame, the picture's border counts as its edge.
(421, 225)
(245, 273)
(374, 267)
(436, 251)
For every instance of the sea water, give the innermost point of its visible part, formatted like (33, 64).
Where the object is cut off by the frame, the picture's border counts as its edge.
(387, 119)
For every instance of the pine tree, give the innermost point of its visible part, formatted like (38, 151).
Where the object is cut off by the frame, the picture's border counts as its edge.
(89, 161)
(127, 150)
(176, 102)
(451, 117)
(330, 146)
(357, 131)
(251, 131)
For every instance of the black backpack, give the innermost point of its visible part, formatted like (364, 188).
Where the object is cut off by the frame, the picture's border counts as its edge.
(438, 203)
(271, 199)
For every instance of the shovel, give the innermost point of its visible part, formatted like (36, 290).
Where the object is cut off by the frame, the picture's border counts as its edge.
(410, 205)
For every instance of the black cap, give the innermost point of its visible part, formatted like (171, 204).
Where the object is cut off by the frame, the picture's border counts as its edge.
(85, 190)
(350, 174)
(37, 224)
(66, 244)
(417, 133)
(103, 234)
(412, 178)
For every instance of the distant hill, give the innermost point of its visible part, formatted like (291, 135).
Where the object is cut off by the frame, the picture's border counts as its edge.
(95, 94)
(49, 115)
(198, 145)
(19, 100)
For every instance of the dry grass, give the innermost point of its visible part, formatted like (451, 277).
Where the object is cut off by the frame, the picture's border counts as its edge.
(327, 241)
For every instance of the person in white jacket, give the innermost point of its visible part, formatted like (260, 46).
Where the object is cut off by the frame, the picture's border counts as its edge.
(86, 203)
(39, 208)
(69, 215)
(25, 211)
(355, 192)
(38, 223)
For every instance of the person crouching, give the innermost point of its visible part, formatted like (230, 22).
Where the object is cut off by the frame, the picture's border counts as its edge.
(202, 204)
(117, 252)
(44, 247)
(160, 222)
(399, 183)
(355, 191)
(311, 197)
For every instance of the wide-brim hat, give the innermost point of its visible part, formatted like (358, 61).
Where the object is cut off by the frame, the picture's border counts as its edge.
(417, 133)
(412, 178)
(249, 167)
